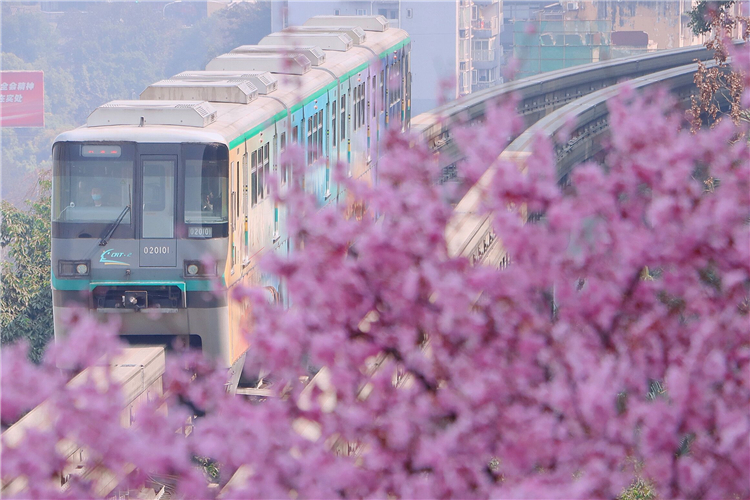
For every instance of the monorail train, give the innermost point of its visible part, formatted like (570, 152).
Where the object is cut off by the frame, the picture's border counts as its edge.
(148, 188)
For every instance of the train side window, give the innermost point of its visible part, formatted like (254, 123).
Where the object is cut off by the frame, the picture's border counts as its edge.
(320, 133)
(266, 165)
(245, 178)
(333, 122)
(309, 140)
(362, 111)
(282, 160)
(295, 134)
(355, 108)
(343, 118)
(372, 97)
(362, 117)
(316, 134)
(254, 183)
(261, 178)
(382, 90)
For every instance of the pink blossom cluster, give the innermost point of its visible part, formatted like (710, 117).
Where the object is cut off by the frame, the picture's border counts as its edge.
(615, 346)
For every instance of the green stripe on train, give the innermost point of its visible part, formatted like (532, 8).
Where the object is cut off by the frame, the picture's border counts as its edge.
(197, 285)
(278, 116)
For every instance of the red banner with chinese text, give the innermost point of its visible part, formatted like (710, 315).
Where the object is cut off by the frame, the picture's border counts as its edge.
(21, 99)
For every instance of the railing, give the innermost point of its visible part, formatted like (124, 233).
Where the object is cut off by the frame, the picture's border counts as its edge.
(483, 55)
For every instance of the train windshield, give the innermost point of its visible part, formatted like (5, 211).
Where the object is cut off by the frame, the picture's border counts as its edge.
(92, 182)
(206, 183)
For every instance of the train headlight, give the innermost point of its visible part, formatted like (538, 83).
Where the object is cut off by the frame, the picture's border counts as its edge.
(74, 268)
(197, 268)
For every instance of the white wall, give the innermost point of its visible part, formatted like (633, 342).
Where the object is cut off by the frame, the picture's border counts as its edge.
(433, 28)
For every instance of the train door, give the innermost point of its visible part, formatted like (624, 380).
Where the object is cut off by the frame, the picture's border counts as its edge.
(158, 248)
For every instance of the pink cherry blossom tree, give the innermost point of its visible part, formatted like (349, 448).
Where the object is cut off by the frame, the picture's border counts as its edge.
(614, 348)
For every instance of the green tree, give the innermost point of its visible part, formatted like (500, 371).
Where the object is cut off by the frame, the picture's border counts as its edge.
(720, 87)
(241, 23)
(26, 298)
(117, 56)
(28, 34)
(705, 12)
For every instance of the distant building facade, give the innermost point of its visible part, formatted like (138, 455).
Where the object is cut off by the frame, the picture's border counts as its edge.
(455, 44)
(546, 36)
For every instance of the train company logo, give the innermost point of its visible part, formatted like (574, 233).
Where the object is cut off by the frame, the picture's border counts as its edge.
(108, 257)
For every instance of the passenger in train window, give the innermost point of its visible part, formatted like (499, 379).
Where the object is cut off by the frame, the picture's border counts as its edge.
(96, 196)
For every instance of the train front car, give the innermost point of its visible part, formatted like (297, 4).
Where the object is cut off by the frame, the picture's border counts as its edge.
(161, 205)
(139, 230)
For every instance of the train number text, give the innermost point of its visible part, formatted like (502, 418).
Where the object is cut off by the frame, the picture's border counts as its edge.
(156, 250)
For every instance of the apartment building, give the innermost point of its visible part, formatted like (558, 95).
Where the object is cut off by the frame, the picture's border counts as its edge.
(550, 35)
(455, 43)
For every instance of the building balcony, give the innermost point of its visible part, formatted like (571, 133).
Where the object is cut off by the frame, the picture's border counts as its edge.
(482, 62)
(485, 28)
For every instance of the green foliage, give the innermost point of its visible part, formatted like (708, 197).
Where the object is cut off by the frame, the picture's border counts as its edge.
(34, 323)
(117, 56)
(704, 11)
(26, 299)
(639, 490)
(29, 36)
(242, 23)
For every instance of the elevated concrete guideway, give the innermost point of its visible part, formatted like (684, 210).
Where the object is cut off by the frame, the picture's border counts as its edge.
(547, 104)
(541, 95)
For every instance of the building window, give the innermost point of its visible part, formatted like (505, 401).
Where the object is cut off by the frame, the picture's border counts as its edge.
(361, 12)
(389, 13)
(336, 12)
